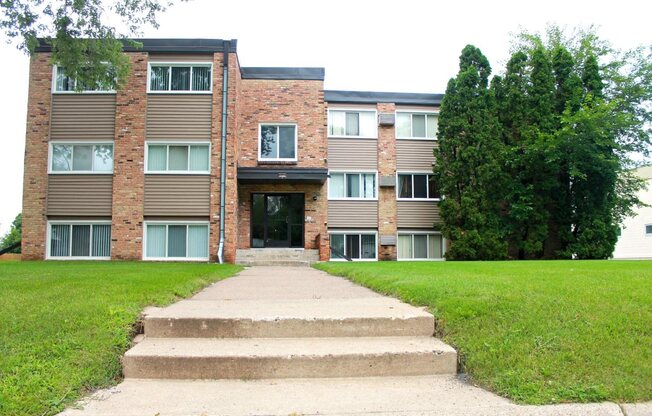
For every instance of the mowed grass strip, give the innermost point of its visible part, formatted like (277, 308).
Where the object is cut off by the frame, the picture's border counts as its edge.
(65, 325)
(536, 331)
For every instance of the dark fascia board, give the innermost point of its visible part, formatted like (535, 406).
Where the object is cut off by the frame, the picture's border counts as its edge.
(372, 97)
(167, 45)
(282, 175)
(309, 74)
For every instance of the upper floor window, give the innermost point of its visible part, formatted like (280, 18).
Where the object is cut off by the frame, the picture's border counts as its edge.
(65, 83)
(277, 142)
(81, 158)
(416, 186)
(648, 230)
(416, 125)
(352, 123)
(180, 77)
(351, 185)
(177, 158)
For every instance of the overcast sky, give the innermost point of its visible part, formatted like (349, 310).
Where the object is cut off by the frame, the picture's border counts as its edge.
(410, 46)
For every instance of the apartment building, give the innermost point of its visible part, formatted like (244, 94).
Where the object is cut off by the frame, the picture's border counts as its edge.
(196, 158)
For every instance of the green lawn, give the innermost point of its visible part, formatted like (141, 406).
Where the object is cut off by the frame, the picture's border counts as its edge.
(64, 325)
(536, 332)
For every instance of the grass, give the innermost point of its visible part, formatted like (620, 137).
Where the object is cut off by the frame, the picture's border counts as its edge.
(536, 332)
(64, 325)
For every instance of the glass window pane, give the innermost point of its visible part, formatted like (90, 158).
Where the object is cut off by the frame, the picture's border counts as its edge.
(336, 123)
(268, 142)
(405, 246)
(352, 124)
(198, 241)
(434, 246)
(63, 82)
(420, 246)
(103, 158)
(403, 125)
(101, 240)
(433, 192)
(157, 157)
(368, 124)
(432, 126)
(286, 142)
(258, 221)
(353, 246)
(201, 78)
(420, 186)
(352, 185)
(648, 229)
(176, 241)
(369, 184)
(82, 157)
(368, 246)
(178, 158)
(180, 78)
(199, 158)
(336, 185)
(418, 125)
(60, 240)
(159, 78)
(337, 246)
(156, 241)
(61, 158)
(405, 186)
(81, 240)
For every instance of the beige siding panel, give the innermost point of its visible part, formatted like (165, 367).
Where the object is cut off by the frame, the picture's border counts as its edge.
(415, 155)
(180, 58)
(353, 214)
(353, 154)
(177, 195)
(179, 116)
(417, 214)
(79, 195)
(83, 117)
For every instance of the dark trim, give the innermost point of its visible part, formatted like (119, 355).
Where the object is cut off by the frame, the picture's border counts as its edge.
(308, 74)
(166, 45)
(277, 175)
(372, 97)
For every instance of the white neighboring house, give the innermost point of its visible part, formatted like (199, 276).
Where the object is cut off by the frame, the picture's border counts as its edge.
(635, 240)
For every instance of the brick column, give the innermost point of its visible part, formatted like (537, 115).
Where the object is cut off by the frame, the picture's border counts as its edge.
(216, 129)
(387, 195)
(35, 180)
(232, 155)
(128, 163)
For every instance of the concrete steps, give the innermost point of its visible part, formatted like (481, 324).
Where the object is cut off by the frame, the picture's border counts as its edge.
(276, 257)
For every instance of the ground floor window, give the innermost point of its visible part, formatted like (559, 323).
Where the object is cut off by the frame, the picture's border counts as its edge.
(420, 246)
(357, 246)
(176, 241)
(84, 240)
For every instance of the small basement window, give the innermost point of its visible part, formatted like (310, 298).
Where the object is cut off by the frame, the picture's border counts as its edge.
(357, 246)
(176, 241)
(79, 240)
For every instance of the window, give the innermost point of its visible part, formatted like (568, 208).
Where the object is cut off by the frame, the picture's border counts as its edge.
(177, 158)
(648, 230)
(416, 186)
(64, 83)
(352, 185)
(277, 142)
(357, 246)
(84, 240)
(180, 77)
(176, 241)
(416, 125)
(81, 158)
(343, 123)
(420, 246)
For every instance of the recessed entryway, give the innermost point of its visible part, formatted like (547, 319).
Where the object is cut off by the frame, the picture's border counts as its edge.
(277, 220)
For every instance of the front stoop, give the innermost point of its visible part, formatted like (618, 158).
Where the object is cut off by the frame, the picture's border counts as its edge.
(276, 257)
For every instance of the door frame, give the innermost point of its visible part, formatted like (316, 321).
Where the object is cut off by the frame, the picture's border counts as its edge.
(251, 222)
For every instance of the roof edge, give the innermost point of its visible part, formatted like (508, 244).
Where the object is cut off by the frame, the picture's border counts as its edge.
(281, 73)
(165, 45)
(374, 97)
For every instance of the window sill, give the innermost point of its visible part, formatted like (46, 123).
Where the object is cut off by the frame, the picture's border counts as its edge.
(422, 139)
(178, 172)
(80, 172)
(353, 199)
(353, 137)
(180, 92)
(82, 92)
(277, 162)
(60, 258)
(419, 199)
(195, 259)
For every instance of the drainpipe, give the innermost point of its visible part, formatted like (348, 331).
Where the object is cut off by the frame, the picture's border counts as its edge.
(226, 45)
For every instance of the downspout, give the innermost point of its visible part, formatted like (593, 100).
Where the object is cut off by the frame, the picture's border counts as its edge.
(226, 45)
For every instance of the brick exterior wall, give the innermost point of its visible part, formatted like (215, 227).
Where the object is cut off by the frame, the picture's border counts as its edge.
(387, 195)
(35, 180)
(128, 163)
(216, 150)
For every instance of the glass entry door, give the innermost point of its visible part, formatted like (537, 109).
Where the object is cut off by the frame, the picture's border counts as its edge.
(277, 220)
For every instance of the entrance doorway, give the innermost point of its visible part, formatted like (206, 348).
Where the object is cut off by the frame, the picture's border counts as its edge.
(277, 220)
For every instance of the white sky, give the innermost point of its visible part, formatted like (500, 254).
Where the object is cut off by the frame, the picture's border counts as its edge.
(404, 46)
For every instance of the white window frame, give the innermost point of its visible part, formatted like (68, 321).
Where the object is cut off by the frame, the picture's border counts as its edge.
(279, 159)
(79, 143)
(417, 232)
(167, 163)
(71, 223)
(412, 113)
(167, 224)
(358, 232)
(352, 172)
(55, 71)
(352, 110)
(646, 233)
(403, 172)
(178, 64)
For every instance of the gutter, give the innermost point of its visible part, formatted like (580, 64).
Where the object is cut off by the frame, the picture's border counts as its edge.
(225, 93)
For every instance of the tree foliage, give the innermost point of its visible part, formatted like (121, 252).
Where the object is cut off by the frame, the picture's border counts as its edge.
(13, 236)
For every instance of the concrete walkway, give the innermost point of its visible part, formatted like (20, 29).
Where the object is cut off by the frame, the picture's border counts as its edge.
(252, 335)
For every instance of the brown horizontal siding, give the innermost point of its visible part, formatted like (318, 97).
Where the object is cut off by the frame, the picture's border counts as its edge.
(83, 116)
(79, 195)
(353, 214)
(415, 155)
(417, 214)
(353, 154)
(179, 116)
(180, 58)
(177, 195)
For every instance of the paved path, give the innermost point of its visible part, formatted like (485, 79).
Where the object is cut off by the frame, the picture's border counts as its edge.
(279, 293)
